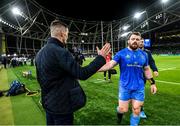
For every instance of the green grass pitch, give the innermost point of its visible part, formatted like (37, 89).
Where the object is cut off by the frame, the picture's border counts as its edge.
(162, 108)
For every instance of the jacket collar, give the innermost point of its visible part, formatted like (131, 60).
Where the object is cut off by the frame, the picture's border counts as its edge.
(55, 41)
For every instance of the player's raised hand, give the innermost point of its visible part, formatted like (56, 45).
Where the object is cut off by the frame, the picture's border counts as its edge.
(104, 51)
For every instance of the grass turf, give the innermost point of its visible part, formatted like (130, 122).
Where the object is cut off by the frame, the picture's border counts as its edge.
(162, 108)
(6, 116)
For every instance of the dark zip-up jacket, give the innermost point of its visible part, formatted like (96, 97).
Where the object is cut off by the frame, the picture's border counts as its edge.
(57, 73)
(151, 61)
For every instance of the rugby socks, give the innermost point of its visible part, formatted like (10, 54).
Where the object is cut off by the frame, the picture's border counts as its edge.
(142, 108)
(119, 115)
(134, 120)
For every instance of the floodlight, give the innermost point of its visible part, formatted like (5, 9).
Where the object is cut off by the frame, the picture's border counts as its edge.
(14, 54)
(8, 24)
(16, 11)
(125, 27)
(164, 1)
(138, 14)
(125, 34)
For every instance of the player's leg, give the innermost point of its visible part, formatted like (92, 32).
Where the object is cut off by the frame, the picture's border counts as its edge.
(124, 99)
(121, 109)
(109, 76)
(104, 75)
(142, 113)
(137, 102)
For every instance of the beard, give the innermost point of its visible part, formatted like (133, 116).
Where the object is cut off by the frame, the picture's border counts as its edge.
(141, 46)
(133, 46)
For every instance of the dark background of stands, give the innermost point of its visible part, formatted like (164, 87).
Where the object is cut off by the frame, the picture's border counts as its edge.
(165, 40)
(96, 10)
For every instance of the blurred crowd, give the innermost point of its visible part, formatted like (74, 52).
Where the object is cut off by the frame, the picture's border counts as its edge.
(15, 60)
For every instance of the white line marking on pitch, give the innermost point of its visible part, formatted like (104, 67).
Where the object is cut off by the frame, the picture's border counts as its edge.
(176, 83)
(99, 81)
(171, 68)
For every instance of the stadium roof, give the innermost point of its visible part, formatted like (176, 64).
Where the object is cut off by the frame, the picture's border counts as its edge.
(33, 21)
(96, 9)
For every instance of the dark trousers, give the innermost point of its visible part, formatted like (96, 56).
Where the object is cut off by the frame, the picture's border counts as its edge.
(54, 119)
(109, 74)
(5, 65)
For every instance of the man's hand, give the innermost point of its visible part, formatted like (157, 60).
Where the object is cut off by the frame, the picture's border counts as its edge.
(156, 74)
(153, 89)
(104, 51)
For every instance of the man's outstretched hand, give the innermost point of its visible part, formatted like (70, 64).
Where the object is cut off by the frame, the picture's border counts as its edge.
(104, 51)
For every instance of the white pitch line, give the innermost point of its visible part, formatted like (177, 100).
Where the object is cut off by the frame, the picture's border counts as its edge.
(168, 82)
(99, 81)
(171, 68)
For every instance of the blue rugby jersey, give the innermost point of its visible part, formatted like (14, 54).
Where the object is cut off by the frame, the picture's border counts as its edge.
(131, 65)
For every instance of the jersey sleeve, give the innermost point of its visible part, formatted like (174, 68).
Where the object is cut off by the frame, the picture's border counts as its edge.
(117, 57)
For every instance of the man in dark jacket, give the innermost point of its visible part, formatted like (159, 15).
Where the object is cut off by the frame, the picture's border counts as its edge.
(152, 65)
(57, 74)
(4, 61)
(150, 58)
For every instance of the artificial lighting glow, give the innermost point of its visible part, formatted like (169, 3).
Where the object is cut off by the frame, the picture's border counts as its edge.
(83, 34)
(14, 54)
(125, 34)
(144, 24)
(125, 27)
(16, 11)
(138, 14)
(3, 55)
(164, 1)
(10, 25)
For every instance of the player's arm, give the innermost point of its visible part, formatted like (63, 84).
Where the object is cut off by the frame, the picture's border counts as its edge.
(149, 77)
(108, 66)
(153, 64)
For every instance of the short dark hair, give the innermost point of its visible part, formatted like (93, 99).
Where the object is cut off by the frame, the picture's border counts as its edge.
(57, 26)
(133, 33)
(58, 23)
